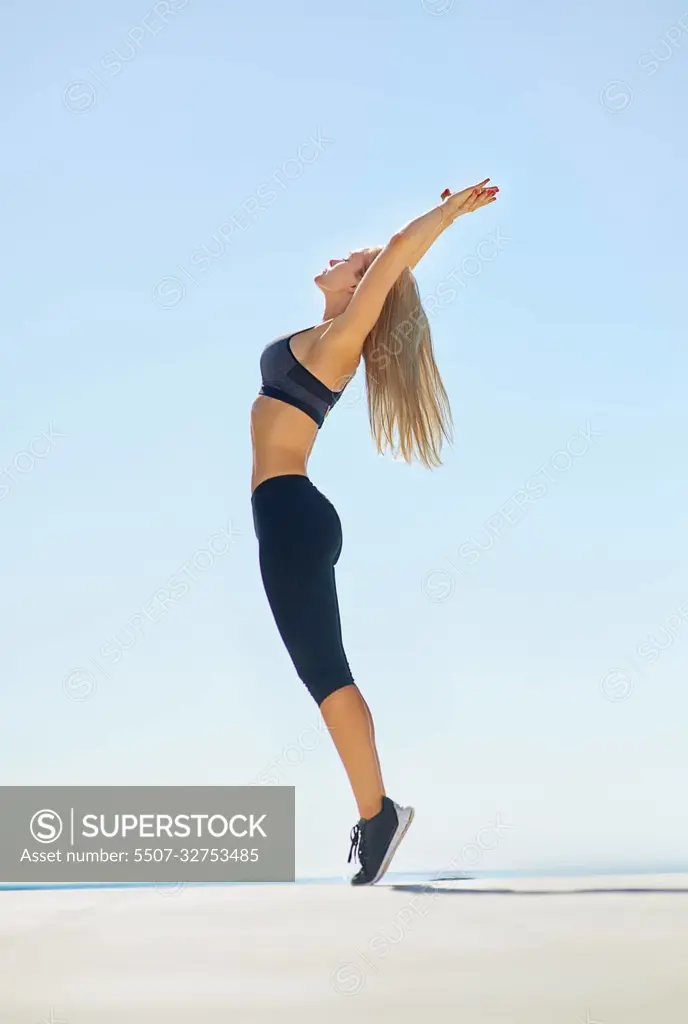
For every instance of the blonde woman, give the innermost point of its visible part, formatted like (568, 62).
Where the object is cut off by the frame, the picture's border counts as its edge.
(372, 311)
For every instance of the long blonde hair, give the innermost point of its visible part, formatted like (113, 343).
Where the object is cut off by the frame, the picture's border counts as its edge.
(408, 406)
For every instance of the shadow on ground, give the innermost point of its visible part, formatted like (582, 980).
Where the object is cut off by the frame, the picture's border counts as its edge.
(420, 888)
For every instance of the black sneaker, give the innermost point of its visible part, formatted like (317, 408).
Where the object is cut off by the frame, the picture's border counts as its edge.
(375, 840)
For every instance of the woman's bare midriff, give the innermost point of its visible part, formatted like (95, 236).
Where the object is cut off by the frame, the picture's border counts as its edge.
(282, 438)
(281, 435)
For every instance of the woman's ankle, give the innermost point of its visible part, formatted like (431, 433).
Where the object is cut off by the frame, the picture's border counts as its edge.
(370, 808)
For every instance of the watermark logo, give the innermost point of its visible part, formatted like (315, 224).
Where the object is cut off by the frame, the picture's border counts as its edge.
(617, 96)
(616, 685)
(168, 836)
(347, 979)
(293, 755)
(80, 96)
(439, 584)
(24, 462)
(169, 888)
(437, 7)
(404, 333)
(46, 826)
(170, 291)
(79, 684)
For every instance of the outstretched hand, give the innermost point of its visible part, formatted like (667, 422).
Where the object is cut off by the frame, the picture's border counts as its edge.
(470, 199)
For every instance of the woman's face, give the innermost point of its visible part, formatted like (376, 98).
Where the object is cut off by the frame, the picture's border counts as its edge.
(342, 275)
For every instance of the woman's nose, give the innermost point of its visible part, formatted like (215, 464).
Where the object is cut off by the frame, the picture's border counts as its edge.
(333, 263)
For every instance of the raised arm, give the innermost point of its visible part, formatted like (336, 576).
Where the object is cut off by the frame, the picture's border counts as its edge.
(405, 248)
(467, 201)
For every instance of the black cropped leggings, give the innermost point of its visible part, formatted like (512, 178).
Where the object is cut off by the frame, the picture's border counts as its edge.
(300, 539)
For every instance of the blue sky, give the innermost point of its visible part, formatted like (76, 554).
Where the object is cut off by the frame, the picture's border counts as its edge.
(165, 207)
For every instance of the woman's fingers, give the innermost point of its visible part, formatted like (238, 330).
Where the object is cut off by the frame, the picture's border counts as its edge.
(479, 202)
(485, 196)
(472, 198)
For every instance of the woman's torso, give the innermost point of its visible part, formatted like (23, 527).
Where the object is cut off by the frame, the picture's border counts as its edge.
(283, 436)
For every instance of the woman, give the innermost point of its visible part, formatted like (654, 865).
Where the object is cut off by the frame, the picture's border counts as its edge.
(372, 310)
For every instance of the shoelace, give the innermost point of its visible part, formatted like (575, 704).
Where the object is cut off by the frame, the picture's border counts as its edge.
(357, 846)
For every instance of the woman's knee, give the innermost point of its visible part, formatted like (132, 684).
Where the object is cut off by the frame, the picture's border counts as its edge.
(323, 685)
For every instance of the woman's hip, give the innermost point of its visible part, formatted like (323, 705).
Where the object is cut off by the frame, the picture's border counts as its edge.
(290, 515)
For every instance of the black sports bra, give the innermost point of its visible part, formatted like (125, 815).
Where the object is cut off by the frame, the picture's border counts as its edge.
(288, 380)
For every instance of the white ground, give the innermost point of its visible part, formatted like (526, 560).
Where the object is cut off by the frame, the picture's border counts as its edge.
(542, 953)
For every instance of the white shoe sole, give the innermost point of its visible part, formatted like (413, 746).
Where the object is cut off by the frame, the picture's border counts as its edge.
(405, 816)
